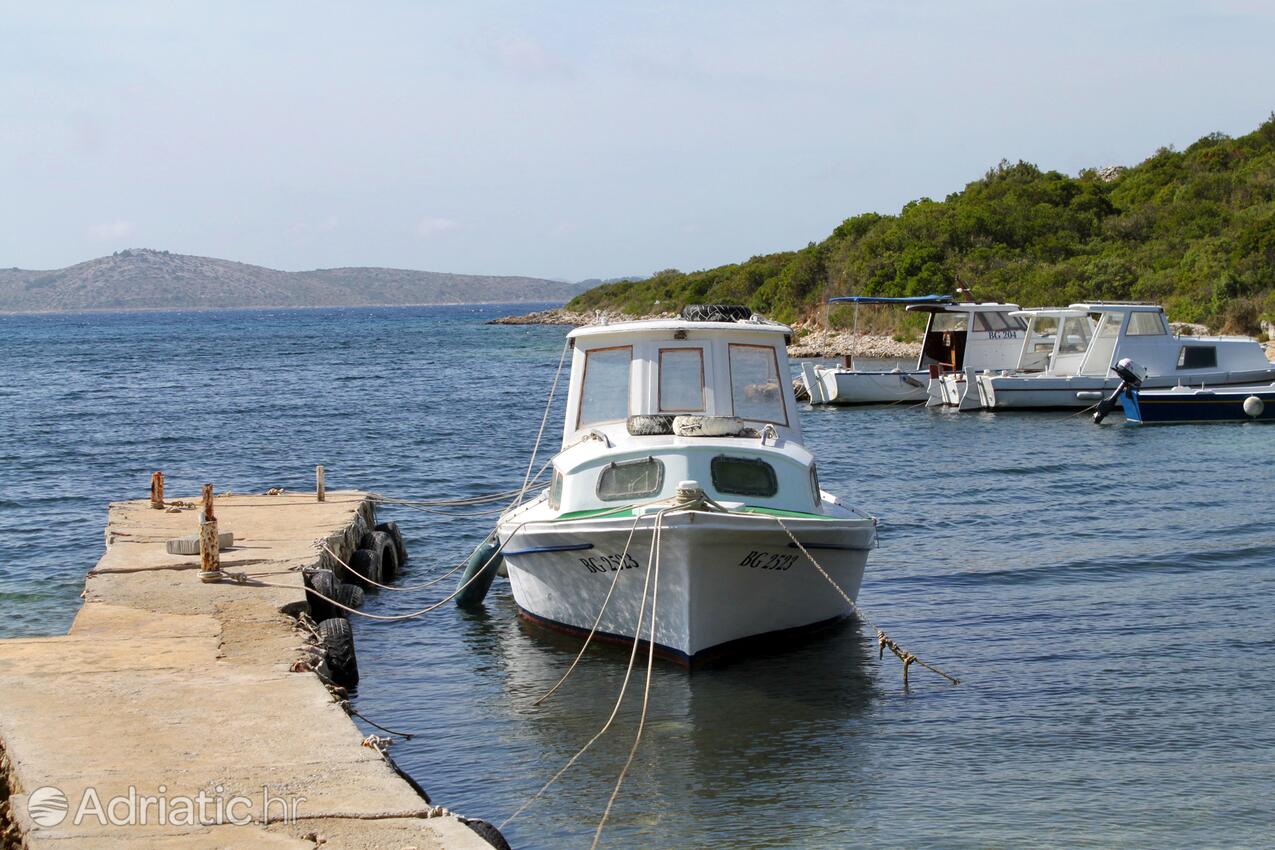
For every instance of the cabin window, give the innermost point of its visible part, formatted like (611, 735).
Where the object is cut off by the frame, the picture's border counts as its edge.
(814, 486)
(987, 322)
(1198, 357)
(681, 380)
(950, 322)
(1146, 324)
(755, 386)
(555, 491)
(744, 476)
(632, 479)
(604, 391)
(1075, 335)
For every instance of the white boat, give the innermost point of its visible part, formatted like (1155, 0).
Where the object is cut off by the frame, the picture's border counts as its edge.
(1090, 338)
(661, 407)
(1054, 343)
(957, 336)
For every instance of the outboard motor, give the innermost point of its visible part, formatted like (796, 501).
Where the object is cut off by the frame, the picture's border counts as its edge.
(1130, 375)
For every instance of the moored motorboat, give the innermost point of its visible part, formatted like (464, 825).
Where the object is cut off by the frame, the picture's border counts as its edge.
(957, 336)
(1116, 331)
(1186, 404)
(682, 485)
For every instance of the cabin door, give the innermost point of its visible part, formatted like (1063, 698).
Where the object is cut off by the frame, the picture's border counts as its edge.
(945, 341)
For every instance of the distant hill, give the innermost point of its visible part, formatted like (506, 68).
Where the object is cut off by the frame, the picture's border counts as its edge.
(1192, 229)
(142, 279)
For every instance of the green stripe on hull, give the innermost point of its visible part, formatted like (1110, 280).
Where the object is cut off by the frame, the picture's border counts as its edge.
(620, 513)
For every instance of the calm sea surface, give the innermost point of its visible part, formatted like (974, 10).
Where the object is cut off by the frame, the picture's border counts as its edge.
(1106, 594)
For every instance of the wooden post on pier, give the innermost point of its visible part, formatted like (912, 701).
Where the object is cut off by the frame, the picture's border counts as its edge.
(319, 487)
(157, 490)
(209, 552)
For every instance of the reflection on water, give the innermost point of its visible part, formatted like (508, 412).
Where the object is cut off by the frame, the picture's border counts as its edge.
(719, 740)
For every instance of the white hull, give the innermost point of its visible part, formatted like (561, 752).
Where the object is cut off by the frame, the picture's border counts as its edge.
(1012, 392)
(848, 386)
(957, 389)
(722, 577)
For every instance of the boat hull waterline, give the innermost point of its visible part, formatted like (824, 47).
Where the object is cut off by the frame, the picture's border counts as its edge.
(722, 577)
(1214, 404)
(1007, 393)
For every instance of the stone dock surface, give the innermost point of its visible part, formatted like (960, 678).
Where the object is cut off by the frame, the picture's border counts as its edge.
(172, 687)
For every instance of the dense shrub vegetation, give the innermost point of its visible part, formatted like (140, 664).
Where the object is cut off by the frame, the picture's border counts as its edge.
(1193, 230)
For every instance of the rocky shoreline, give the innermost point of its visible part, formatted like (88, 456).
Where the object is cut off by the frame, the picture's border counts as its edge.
(808, 342)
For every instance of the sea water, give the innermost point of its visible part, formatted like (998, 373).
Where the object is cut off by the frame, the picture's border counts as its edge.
(1105, 594)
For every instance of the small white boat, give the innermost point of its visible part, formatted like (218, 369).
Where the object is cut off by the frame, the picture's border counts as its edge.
(658, 408)
(1090, 338)
(957, 336)
(1182, 404)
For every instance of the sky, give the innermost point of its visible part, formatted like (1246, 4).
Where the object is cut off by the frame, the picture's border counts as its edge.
(574, 140)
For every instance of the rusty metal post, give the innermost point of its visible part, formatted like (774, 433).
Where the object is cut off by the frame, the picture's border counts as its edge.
(319, 487)
(209, 553)
(157, 490)
(847, 361)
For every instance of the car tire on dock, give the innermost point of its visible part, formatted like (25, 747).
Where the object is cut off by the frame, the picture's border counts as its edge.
(319, 584)
(383, 543)
(487, 833)
(349, 595)
(366, 564)
(338, 651)
(392, 529)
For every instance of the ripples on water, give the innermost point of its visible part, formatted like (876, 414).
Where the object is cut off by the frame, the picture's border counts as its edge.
(1105, 593)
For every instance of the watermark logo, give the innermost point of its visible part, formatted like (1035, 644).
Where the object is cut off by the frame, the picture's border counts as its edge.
(48, 806)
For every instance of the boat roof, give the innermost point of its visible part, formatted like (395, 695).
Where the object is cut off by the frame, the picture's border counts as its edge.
(964, 307)
(662, 326)
(1117, 307)
(879, 299)
(1051, 312)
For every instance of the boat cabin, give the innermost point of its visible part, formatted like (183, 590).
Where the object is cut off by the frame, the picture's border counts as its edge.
(674, 367)
(1056, 340)
(630, 379)
(1141, 332)
(969, 335)
(1088, 338)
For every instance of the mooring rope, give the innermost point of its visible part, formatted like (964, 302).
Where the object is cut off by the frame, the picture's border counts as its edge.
(544, 420)
(399, 588)
(465, 501)
(244, 579)
(646, 690)
(615, 578)
(883, 640)
(659, 516)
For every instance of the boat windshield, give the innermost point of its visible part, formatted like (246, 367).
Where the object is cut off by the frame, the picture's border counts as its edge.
(1039, 345)
(681, 387)
(755, 385)
(1075, 336)
(604, 396)
(1098, 360)
(950, 322)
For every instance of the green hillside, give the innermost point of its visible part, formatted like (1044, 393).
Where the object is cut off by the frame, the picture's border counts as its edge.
(1193, 230)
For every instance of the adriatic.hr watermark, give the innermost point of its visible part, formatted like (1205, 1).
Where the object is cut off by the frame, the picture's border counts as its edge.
(50, 807)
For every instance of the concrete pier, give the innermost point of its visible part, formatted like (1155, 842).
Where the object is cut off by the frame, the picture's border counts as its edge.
(168, 691)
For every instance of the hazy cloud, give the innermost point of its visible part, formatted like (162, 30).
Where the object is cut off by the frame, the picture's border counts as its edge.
(428, 227)
(528, 57)
(109, 231)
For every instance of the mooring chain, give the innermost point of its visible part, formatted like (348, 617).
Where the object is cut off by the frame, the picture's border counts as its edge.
(884, 641)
